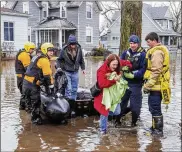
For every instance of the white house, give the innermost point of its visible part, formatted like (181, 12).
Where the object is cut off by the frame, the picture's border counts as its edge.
(14, 30)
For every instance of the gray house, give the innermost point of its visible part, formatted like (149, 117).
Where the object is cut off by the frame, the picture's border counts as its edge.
(55, 21)
(154, 19)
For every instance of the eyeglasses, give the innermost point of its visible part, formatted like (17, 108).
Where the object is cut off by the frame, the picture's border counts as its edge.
(50, 49)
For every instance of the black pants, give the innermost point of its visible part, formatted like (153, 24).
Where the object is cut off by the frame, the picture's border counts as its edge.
(32, 94)
(20, 85)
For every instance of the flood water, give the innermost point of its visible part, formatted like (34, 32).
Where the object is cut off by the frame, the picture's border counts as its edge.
(81, 134)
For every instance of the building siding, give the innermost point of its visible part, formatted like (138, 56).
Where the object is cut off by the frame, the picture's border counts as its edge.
(147, 27)
(20, 29)
(83, 22)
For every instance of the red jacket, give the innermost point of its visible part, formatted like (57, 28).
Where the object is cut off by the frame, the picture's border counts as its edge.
(103, 82)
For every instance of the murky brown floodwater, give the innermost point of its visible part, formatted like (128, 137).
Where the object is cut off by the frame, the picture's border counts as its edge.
(18, 134)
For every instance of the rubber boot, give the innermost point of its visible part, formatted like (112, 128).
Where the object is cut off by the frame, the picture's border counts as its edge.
(35, 114)
(22, 103)
(72, 108)
(134, 119)
(157, 125)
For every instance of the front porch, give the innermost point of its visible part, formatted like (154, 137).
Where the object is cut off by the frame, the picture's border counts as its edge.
(58, 37)
(54, 30)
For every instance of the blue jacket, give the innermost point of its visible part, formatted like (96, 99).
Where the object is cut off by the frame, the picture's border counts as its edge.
(138, 62)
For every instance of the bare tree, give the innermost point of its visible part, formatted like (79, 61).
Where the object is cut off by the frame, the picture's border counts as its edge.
(176, 11)
(131, 22)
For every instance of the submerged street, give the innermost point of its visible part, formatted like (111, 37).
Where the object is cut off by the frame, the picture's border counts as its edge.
(81, 134)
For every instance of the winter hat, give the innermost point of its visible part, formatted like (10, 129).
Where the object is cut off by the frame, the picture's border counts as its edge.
(134, 39)
(72, 39)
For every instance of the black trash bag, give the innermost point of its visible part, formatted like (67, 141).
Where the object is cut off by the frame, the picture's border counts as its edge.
(56, 109)
(60, 82)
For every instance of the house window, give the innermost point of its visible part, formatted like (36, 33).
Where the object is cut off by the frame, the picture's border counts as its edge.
(26, 7)
(8, 31)
(89, 34)
(62, 10)
(45, 9)
(89, 10)
(115, 38)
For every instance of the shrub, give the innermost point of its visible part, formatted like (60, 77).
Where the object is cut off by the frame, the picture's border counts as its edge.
(99, 52)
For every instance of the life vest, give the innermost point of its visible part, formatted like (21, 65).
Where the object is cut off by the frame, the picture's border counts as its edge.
(163, 83)
(134, 58)
(33, 71)
(19, 68)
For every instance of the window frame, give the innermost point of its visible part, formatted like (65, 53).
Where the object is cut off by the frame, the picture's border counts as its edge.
(89, 28)
(45, 9)
(90, 4)
(26, 9)
(62, 5)
(9, 31)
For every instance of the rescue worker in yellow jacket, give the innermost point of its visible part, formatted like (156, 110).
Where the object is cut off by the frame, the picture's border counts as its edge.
(22, 61)
(38, 73)
(157, 78)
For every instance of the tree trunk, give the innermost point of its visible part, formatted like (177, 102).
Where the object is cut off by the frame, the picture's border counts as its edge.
(131, 22)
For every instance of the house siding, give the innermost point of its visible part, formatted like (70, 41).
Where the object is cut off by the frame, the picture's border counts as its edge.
(83, 22)
(34, 18)
(20, 29)
(113, 45)
(147, 27)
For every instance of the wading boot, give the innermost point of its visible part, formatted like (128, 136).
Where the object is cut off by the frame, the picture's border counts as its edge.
(134, 119)
(22, 103)
(72, 107)
(157, 125)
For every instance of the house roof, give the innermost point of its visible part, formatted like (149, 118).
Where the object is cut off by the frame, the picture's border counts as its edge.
(152, 13)
(55, 23)
(53, 4)
(7, 11)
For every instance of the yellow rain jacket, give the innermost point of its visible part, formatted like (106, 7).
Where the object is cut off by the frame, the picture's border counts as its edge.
(157, 75)
(39, 69)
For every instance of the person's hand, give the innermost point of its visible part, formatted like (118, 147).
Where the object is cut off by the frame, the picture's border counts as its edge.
(83, 71)
(145, 90)
(58, 95)
(125, 68)
(108, 75)
(59, 69)
(117, 77)
(129, 75)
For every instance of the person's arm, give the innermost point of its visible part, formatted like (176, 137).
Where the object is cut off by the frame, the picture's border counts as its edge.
(157, 60)
(25, 59)
(102, 80)
(122, 57)
(140, 72)
(82, 62)
(44, 64)
(60, 60)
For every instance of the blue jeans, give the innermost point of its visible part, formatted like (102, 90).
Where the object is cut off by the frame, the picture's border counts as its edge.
(154, 102)
(72, 87)
(104, 119)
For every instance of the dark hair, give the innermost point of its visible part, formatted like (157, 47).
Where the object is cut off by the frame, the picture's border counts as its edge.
(152, 36)
(112, 57)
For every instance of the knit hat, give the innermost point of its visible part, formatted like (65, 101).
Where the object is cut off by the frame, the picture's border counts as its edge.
(72, 39)
(134, 39)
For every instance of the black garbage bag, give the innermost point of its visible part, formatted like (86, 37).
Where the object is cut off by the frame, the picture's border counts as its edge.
(60, 82)
(56, 109)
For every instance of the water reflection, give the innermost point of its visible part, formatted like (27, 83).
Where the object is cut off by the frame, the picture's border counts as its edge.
(81, 134)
